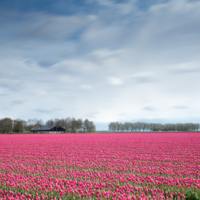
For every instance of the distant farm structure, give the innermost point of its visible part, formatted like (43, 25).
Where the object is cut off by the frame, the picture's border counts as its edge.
(46, 129)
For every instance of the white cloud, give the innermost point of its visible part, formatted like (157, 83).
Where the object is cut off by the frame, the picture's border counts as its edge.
(115, 81)
(86, 87)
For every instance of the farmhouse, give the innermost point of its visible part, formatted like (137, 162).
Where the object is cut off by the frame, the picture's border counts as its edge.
(46, 129)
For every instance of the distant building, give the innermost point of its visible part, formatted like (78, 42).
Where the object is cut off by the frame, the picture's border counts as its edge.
(45, 129)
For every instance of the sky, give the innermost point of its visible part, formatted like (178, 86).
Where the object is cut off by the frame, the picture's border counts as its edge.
(105, 60)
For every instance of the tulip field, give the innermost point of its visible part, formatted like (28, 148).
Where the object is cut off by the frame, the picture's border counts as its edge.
(95, 166)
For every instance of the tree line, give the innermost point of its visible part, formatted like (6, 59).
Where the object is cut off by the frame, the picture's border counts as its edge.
(8, 125)
(142, 126)
(73, 125)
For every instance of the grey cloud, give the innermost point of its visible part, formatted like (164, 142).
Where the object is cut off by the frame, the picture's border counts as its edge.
(45, 39)
(181, 107)
(17, 102)
(40, 26)
(144, 79)
(8, 86)
(47, 110)
(43, 111)
(185, 71)
(144, 76)
(46, 63)
(149, 108)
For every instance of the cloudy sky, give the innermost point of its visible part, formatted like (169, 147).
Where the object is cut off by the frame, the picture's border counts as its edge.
(105, 60)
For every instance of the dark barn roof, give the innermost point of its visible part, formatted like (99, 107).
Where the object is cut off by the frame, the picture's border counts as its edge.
(48, 129)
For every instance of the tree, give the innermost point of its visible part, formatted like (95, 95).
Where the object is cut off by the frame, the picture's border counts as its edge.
(50, 123)
(88, 126)
(6, 125)
(68, 124)
(142, 126)
(79, 125)
(18, 126)
(113, 126)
